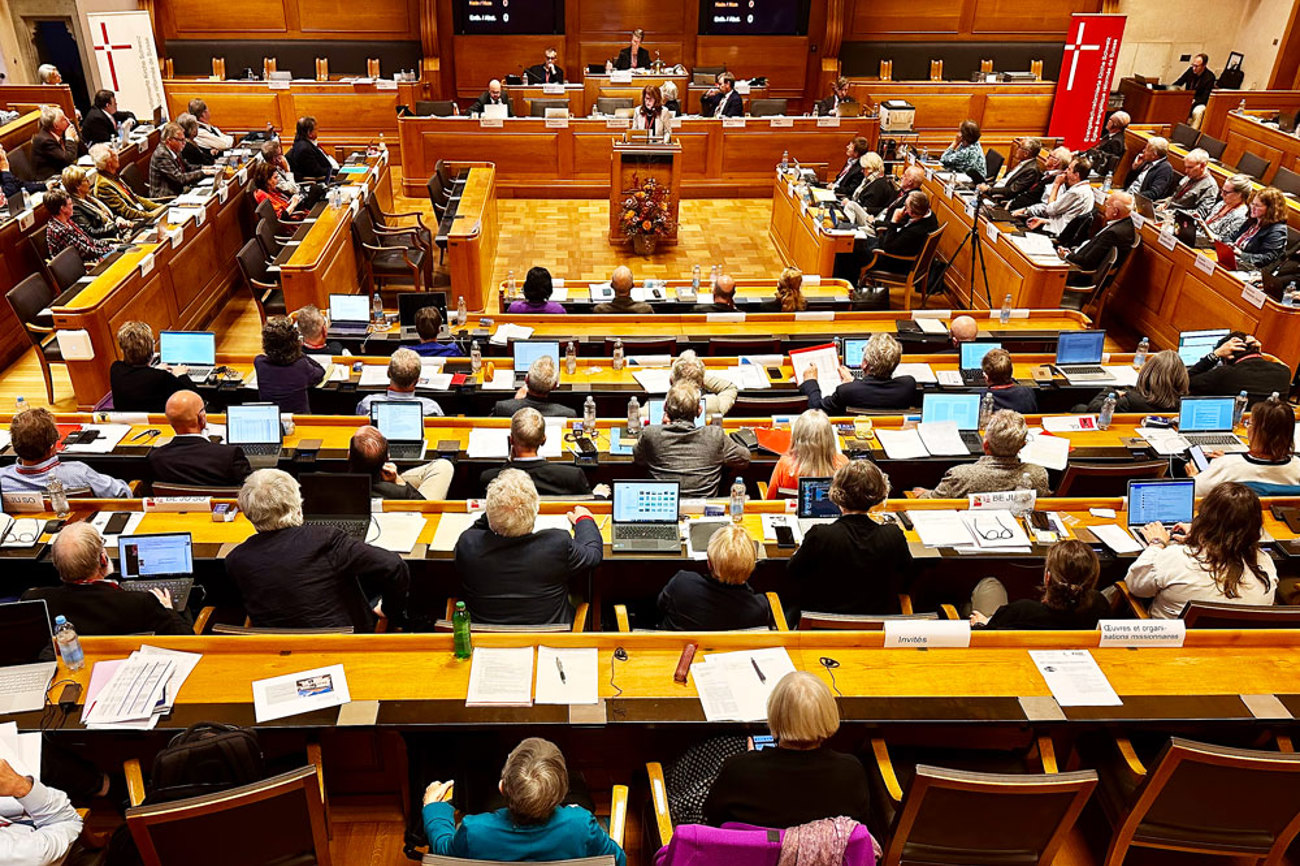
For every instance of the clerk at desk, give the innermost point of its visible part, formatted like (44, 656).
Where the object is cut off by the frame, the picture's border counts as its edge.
(494, 95)
(634, 56)
(723, 100)
(545, 73)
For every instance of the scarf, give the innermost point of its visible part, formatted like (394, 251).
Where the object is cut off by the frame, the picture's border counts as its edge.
(820, 843)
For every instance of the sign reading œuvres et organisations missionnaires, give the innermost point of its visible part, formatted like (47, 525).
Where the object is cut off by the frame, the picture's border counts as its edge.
(1083, 86)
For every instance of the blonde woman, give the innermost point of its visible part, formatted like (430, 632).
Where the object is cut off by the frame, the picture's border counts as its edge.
(723, 600)
(876, 190)
(90, 214)
(789, 291)
(814, 453)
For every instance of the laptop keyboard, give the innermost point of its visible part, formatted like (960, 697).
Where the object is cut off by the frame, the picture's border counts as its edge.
(261, 450)
(1204, 439)
(1078, 372)
(647, 532)
(355, 528)
(17, 682)
(972, 440)
(973, 377)
(179, 587)
(406, 451)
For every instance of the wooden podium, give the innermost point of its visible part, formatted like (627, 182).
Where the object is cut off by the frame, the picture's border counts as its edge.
(634, 162)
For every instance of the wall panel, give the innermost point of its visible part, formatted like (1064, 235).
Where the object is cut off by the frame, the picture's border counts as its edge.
(288, 19)
(960, 19)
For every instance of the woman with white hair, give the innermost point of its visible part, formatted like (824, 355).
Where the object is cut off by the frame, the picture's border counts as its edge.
(723, 600)
(511, 574)
(719, 393)
(877, 189)
(999, 469)
(814, 453)
(292, 575)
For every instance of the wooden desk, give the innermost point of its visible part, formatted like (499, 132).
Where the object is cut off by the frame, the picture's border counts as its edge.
(1145, 105)
(326, 260)
(17, 133)
(820, 293)
(472, 238)
(1002, 110)
(348, 116)
(23, 97)
(522, 95)
(1009, 270)
(799, 235)
(1222, 102)
(1246, 133)
(534, 160)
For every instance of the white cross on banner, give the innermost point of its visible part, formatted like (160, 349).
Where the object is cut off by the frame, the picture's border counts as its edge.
(127, 60)
(1087, 69)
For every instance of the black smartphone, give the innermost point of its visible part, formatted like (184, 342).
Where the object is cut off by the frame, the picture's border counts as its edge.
(1199, 460)
(117, 523)
(784, 536)
(586, 446)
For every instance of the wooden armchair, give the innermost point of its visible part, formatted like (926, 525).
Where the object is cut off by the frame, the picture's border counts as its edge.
(1077, 297)
(579, 624)
(917, 278)
(773, 601)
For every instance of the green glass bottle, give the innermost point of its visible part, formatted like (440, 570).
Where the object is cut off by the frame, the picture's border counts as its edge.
(461, 640)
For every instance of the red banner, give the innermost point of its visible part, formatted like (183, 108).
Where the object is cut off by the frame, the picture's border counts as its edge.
(1083, 88)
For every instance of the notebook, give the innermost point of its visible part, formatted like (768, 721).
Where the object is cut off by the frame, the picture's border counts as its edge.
(24, 677)
(194, 349)
(964, 409)
(1165, 502)
(349, 314)
(255, 427)
(1207, 421)
(402, 423)
(972, 374)
(162, 560)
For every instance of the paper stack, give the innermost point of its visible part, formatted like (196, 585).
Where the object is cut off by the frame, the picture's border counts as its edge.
(501, 677)
(734, 687)
(508, 331)
(133, 693)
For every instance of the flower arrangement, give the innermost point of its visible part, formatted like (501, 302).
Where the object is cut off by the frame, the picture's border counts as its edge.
(645, 210)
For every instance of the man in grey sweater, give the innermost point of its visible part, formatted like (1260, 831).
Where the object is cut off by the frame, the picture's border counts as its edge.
(680, 451)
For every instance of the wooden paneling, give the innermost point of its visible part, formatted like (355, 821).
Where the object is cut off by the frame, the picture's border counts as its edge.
(1224, 102)
(871, 19)
(964, 19)
(656, 17)
(479, 59)
(374, 19)
(1017, 16)
(289, 19)
(232, 18)
(783, 59)
(1003, 111)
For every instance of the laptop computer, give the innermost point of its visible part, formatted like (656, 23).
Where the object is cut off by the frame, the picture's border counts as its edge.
(163, 560)
(255, 427)
(656, 410)
(24, 676)
(349, 315)
(528, 351)
(1195, 345)
(1144, 206)
(852, 349)
(1165, 502)
(972, 374)
(1207, 421)
(1078, 356)
(1226, 254)
(194, 349)
(814, 505)
(410, 303)
(964, 409)
(402, 423)
(338, 499)
(645, 517)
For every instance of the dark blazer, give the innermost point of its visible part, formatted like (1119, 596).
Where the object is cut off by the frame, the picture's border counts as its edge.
(695, 602)
(550, 479)
(485, 98)
(1158, 181)
(1020, 179)
(195, 155)
(887, 215)
(93, 222)
(788, 787)
(98, 125)
(537, 74)
(675, 106)
(624, 305)
(103, 607)
(1019, 398)
(847, 181)
(307, 160)
(624, 60)
(853, 565)
(1028, 613)
(1033, 194)
(1258, 377)
(1267, 246)
(287, 386)
(875, 195)
(50, 155)
(138, 388)
(198, 460)
(12, 185)
(507, 408)
(865, 393)
(905, 239)
(735, 106)
(524, 580)
(1117, 235)
(1109, 146)
(317, 577)
(827, 105)
(1131, 400)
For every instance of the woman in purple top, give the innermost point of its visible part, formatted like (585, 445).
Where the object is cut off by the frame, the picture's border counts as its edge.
(284, 374)
(537, 294)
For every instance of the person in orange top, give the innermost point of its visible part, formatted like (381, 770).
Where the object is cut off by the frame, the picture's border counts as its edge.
(814, 453)
(263, 176)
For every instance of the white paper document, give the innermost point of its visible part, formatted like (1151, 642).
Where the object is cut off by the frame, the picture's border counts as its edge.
(1069, 423)
(825, 359)
(501, 677)
(941, 528)
(1074, 678)
(746, 377)
(1164, 440)
(930, 326)
(373, 376)
(950, 378)
(902, 444)
(508, 331)
(567, 676)
(735, 686)
(304, 692)
(503, 379)
(132, 693)
(653, 381)
(100, 521)
(450, 526)
(397, 531)
(183, 664)
(1115, 537)
(1050, 452)
(941, 438)
(772, 521)
(488, 442)
(995, 528)
(109, 437)
(1125, 376)
(922, 373)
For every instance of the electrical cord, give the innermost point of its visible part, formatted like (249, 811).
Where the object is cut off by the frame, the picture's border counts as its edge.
(831, 664)
(620, 655)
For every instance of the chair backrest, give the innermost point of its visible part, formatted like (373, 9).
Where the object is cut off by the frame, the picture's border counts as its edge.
(20, 164)
(1287, 180)
(27, 299)
(610, 104)
(1185, 135)
(812, 619)
(162, 488)
(66, 268)
(266, 211)
(41, 244)
(920, 274)
(1004, 818)
(1211, 145)
(1076, 230)
(537, 107)
(762, 407)
(444, 626)
(1103, 479)
(252, 263)
(1184, 792)
(768, 107)
(1214, 614)
(648, 346)
(993, 161)
(280, 820)
(1098, 276)
(731, 346)
(442, 168)
(1253, 164)
(365, 228)
(265, 235)
(697, 843)
(440, 860)
(224, 628)
(435, 108)
(133, 177)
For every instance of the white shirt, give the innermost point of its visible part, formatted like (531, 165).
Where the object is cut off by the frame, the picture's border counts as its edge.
(212, 138)
(1070, 203)
(1171, 577)
(45, 833)
(1244, 467)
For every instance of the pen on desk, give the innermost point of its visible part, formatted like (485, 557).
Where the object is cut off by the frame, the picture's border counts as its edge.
(559, 666)
(145, 433)
(603, 521)
(758, 670)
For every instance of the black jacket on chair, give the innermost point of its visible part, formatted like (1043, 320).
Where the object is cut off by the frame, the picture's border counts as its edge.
(307, 160)
(103, 607)
(1117, 235)
(198, 461)
(624, 60)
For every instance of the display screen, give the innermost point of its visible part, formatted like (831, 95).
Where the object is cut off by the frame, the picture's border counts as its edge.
(753, 17)
(1160, 502)
(1080, 347)
(156, 555)
(490, 17)
(961, 408)
(645, 501)
(187, 347)
(1205, 413)
(973, 353)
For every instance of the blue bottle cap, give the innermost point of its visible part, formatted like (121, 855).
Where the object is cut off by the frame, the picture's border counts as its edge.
(60, 619)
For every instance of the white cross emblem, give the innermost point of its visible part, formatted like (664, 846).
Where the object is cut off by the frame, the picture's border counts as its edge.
(1074, 59)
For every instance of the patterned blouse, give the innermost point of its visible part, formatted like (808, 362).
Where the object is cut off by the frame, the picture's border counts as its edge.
(967, 159)
(60, 235)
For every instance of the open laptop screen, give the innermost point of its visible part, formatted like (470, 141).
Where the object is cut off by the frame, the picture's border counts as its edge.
(160, 555)
(253, 424)
(410, 303)
(656, 410)
(645, 501)
(853, 349)
(1080, 347)
(1200, 414)
(815, 500)
(1160, 501)
(188, 347)
(334, 494)
(349, 308)
(528, 351)
(973, 353)
(1195, 345)
(398, 420)
(962, 408)
(26, 629)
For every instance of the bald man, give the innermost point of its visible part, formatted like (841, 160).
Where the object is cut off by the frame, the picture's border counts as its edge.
(1118, 234)
(494, 95)
(191, 458)
(621, 282)
(368, 455)
(963, 330)
(724, 294)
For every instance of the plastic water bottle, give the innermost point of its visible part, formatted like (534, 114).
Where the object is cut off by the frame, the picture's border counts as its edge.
(475, 356)
(1107, 411)
(376, 308)
(1004, 315)
(1239, 408)
(1140, 357)
(785, 161)
(461, 641)
(511, 286)
(571, 358)
(69, 644)
(27, 200)
(738, 500)
(1108, 182)
(633, 416)
(1241, 107)
(58, 497)
(1291, 297)
(383, 145)
(695, 278)
(986, 409)
(816, 109)
(20, 404)
(617, 362)
(589, 415)
(462, 312)
(609, 66)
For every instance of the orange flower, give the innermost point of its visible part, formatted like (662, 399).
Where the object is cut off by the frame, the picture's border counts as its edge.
(646, 225)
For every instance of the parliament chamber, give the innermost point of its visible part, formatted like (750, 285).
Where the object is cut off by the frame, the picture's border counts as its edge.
(831, 432)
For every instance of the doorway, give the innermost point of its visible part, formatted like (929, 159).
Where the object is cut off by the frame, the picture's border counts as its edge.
(56, 44)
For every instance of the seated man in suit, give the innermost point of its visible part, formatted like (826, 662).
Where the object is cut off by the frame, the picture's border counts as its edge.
(428, 325)
(208, 136)
(11, 184)
(95, 604)
(906, 232)
(403, 376)
(634, 56)
(1069, 197)
(307, 159)
(492, 96)
(722, 100)
(35, 439)
(621, 282)
(1109, 149)
(191, 458)
(511, 573)
(1019, 179)
(100, 123)
(294, 576)
(878, 388)
(540, 381)
(1118, 234)
(169, 175)
(527, 436)
(851, 174)
(913, 175)
(55, 145)
(1151, 174)
(839, 96)
(315, 330)
(545, 73)
(1198, 192)
(368, 455)
(1039, 192)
